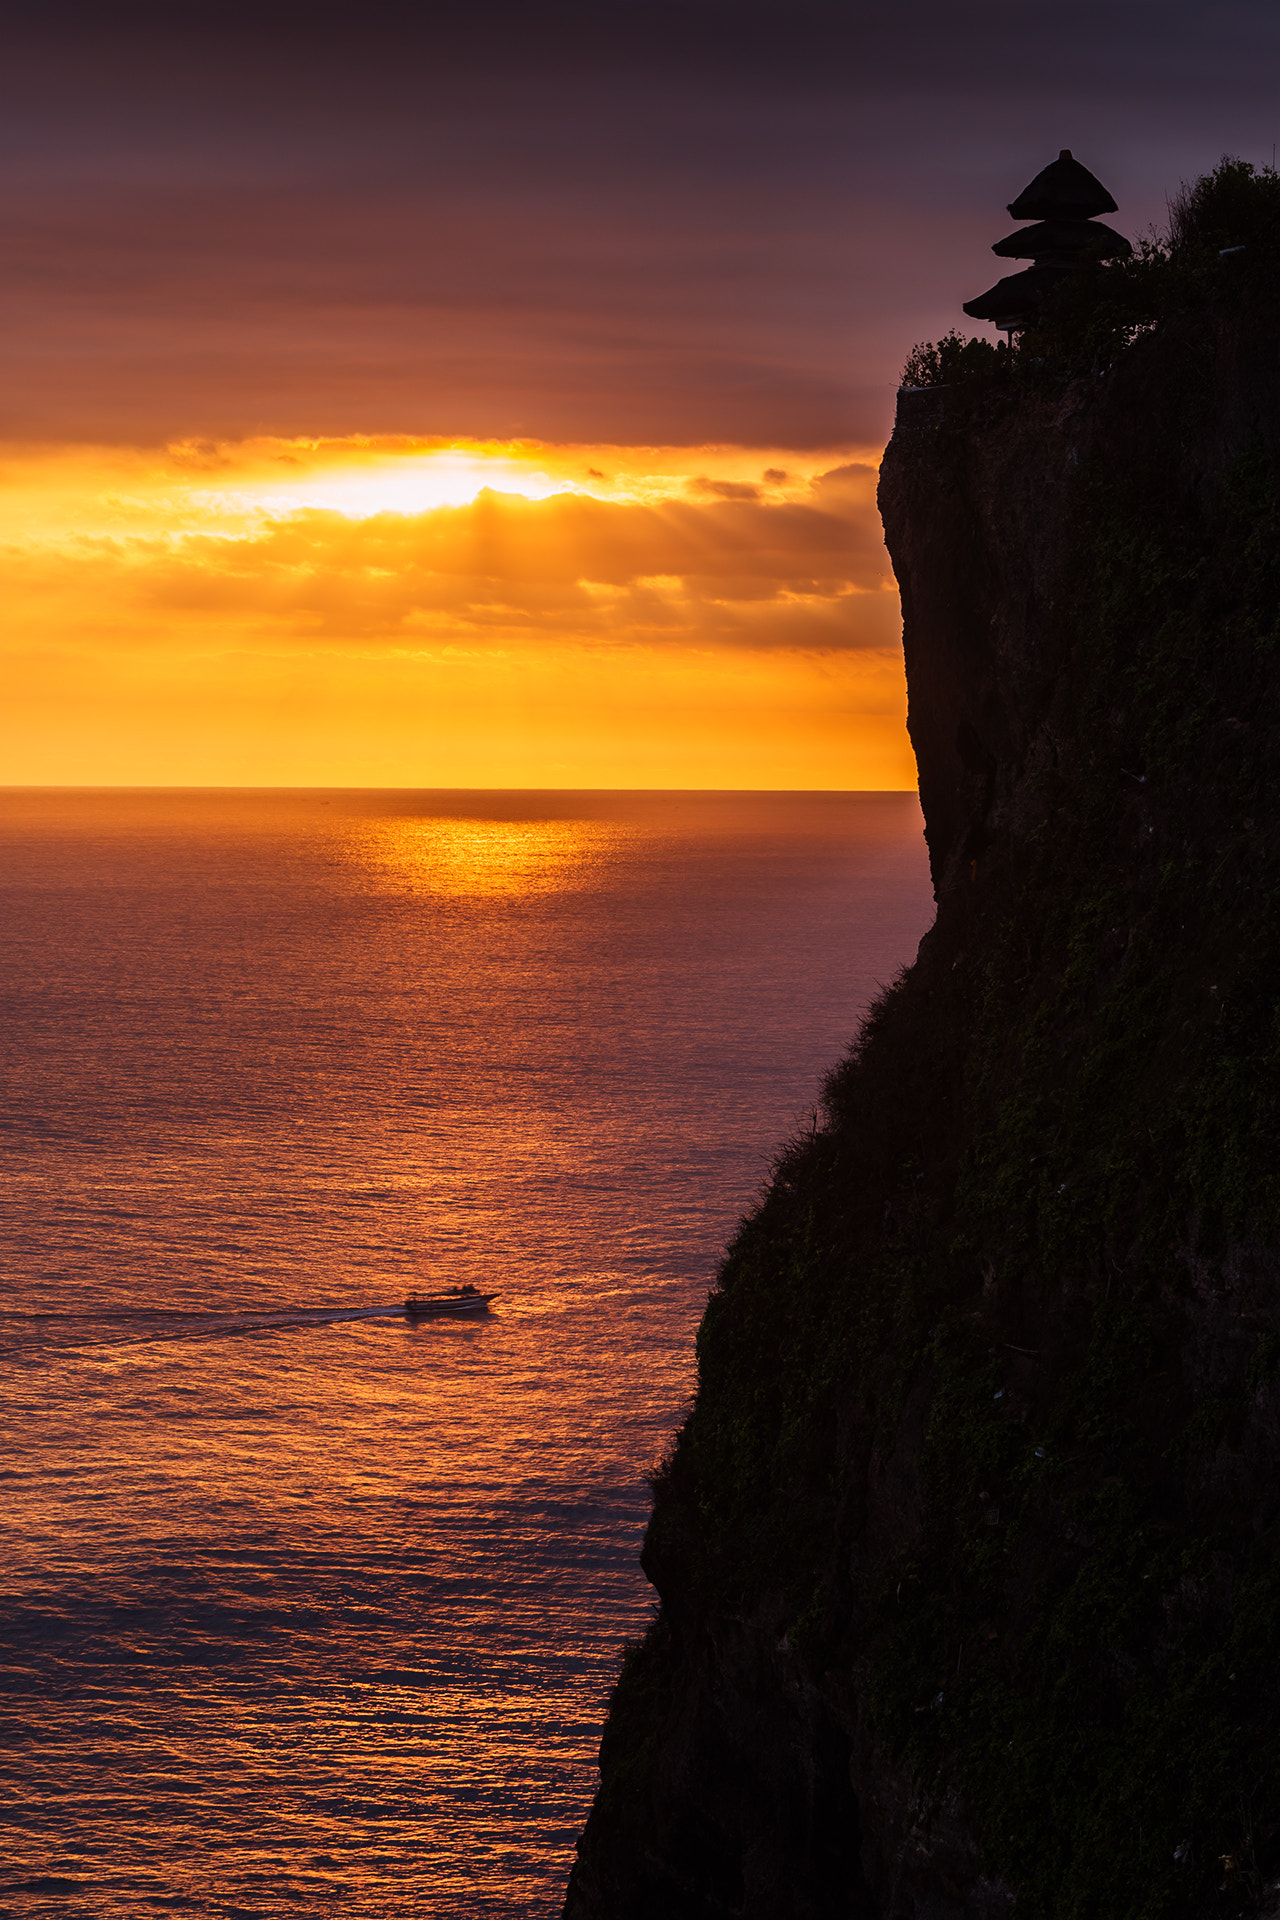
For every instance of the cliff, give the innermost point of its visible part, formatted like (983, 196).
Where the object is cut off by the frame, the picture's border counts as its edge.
(969, 1551)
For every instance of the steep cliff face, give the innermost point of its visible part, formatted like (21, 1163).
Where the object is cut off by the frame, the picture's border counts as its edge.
(969, 1552)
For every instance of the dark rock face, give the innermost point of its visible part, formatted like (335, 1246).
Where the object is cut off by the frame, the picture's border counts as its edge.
(969, 1552)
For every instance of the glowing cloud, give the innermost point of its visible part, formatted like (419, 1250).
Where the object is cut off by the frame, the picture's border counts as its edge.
(387, 610)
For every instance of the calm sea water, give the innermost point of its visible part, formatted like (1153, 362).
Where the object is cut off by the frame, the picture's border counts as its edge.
(305, 1607)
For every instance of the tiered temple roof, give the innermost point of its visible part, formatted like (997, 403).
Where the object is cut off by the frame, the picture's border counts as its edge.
(1063, 200)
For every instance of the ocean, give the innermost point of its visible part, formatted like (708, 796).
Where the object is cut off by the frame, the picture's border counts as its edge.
(307, 1607)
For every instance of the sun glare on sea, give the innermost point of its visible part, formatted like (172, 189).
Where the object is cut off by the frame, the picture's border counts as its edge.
(498, 859)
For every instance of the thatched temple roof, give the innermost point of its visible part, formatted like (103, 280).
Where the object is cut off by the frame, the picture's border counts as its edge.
(1012, 301)
(1066, 239)
(1064, 236)
(1063, 190)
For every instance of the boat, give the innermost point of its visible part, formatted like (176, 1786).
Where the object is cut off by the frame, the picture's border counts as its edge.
(453, 1300)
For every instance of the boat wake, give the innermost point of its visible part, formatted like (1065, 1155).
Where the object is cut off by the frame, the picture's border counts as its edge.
(31, 1333)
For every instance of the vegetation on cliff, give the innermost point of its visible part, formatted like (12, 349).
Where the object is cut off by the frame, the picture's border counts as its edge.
(1232, 213)
(969, 1551)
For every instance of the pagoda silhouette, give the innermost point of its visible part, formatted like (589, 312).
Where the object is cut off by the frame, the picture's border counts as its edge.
(1064, 201)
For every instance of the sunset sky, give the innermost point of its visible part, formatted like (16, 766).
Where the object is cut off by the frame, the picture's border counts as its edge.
(492, 396)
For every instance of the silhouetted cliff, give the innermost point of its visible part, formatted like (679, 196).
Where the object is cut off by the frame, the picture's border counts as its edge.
(969, 1552)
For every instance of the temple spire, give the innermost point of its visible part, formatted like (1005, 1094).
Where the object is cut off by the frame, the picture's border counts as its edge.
(1062, 200)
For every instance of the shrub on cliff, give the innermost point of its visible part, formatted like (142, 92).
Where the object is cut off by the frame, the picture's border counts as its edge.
(1237, 205)
(952, 360)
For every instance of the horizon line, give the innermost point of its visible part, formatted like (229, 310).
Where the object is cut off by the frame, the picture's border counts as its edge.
(281, 787)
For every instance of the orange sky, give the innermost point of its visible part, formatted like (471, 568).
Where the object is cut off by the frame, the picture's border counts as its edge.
(408, 612)
(390, 392)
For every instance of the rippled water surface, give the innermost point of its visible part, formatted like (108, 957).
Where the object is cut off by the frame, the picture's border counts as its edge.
(306, 1606)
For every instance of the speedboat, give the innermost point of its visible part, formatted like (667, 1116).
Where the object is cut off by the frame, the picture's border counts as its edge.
(453, 1300)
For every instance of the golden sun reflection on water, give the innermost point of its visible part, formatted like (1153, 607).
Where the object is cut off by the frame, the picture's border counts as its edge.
(307, 1608)
(496, 859)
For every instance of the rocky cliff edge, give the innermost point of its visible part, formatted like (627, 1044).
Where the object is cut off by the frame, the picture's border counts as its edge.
(969, 1551)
